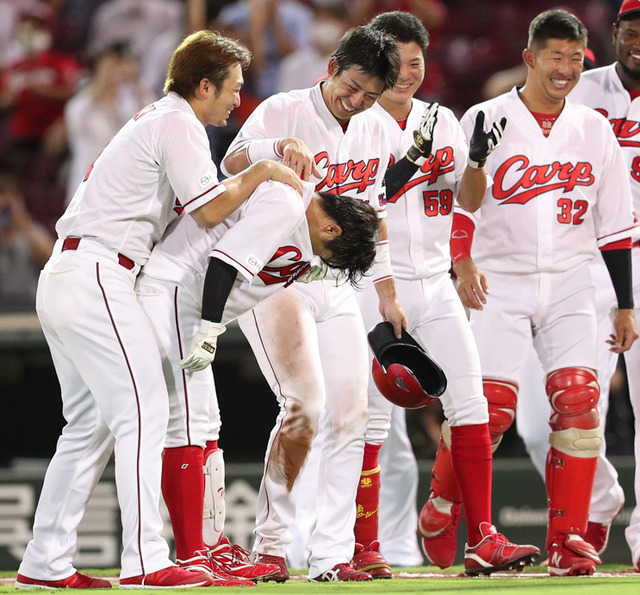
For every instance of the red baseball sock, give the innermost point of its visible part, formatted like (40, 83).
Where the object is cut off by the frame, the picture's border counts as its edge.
(471, 458)
(183, 491)
(368, 497)
(210, 446)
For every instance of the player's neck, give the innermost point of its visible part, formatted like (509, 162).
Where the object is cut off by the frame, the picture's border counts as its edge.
(398, 111)
(540, 105)
(630, 83)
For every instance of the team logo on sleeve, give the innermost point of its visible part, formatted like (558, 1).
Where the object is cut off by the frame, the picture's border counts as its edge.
(285, 266)
(516, 181)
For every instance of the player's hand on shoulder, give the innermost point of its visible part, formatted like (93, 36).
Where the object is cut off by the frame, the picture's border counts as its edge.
(471, 283)
(482, 143)
(626, 328)
(281, 173)
(297, 156)
(423, 135)
(203, 346)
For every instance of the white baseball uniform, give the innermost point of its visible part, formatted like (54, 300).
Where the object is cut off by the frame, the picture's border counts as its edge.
(602, 89)
(101, 342)
(310, 343)
(267, 241)
(553, 201)
(419, 220)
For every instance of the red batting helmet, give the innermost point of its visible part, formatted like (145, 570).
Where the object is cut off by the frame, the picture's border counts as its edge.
(402, 370)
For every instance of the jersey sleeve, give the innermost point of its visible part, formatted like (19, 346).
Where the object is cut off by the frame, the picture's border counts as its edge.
(271, 215)
(184, 150)
(614, 217)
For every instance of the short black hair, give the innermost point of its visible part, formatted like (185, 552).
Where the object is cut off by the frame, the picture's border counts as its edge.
(556, 24)
(354, 250)
(375, 53)
(404, 26)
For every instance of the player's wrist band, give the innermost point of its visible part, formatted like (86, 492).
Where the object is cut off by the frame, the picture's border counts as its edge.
(476, 164)
(415, 156)
(461, 237)
(382, 269)
(266, 148)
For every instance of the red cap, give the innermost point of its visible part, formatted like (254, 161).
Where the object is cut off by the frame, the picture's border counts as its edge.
(628, 8)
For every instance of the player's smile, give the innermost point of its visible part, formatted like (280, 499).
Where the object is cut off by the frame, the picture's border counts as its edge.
(350, 92)
(626, 37)
(411, 71)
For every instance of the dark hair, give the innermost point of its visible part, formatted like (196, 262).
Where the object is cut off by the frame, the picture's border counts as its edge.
(204, 55)
(372, 51)
(354, 250)
(556, 24)
(404, 26)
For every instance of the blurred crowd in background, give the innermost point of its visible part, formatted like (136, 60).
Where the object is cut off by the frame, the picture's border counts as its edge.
(72, 72)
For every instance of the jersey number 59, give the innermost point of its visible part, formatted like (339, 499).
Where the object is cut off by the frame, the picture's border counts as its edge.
(437, 202)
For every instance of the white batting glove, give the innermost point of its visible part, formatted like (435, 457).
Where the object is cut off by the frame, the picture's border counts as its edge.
(423, 136)
(483, 143)
(314, 273)
(203, 346)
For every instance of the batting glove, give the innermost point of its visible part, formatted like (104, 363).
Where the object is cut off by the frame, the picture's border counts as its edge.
(483, 143)
(423, 136)
(314, 273)
(203, 346)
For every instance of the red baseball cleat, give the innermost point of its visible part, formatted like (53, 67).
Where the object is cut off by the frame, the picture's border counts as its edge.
(570, 555)
(75, 581)
(341, 572)
(283, 573)
(439, 531)
(597, 534)
(495, 552)
(200, 562)
(369, 559)
(168, 578)
(234, 560)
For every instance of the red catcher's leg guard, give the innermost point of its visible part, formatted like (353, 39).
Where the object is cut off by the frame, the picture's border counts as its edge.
(569, 482)
(502, 397)
(443, 479)
(368, 497)
(575, 444)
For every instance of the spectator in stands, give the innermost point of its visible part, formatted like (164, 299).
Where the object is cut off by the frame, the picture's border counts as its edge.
(151, 28)
(35, 87)
(303, 67)
(271, 29)
(24, 246)
(112, 95)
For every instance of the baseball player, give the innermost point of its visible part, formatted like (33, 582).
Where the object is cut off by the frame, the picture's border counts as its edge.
(419, 217)
(102, 344)
(309, 340)
(559, 192)
(613, 90)
(264, 246)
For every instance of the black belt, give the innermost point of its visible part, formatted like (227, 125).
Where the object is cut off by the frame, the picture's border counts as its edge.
(73, 243)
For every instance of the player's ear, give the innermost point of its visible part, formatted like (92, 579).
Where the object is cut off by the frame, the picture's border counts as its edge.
(333, 229)
(529, 57)
(332, 69)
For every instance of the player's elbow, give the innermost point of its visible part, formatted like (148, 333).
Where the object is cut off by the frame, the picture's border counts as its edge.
(207, 215)
(235, 162)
